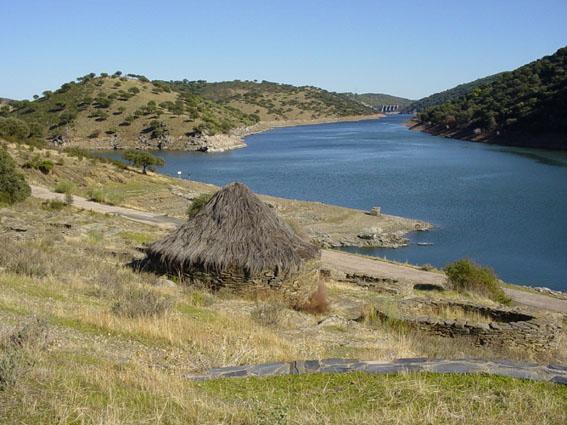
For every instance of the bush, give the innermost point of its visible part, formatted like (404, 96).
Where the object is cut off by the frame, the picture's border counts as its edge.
(64, 187)
(53, 205)
(141, 302)
(24, 259)
(99, 194)
(13, 128)
(466, 276)
(198, 203)
(13, 186)
(37, 163)
(268, 314)
(68, 199)
(317, 303)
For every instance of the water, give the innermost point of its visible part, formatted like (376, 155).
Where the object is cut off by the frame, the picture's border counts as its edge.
(503, 207)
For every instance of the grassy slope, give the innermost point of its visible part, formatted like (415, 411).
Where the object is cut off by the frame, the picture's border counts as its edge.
(101, 366)
(194, 110)
(378, 99)
(104, 366)
(276, 102)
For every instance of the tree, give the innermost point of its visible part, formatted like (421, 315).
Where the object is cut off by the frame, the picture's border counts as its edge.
(158, 129)
(13, 186)
(13, 128)
(142, 159)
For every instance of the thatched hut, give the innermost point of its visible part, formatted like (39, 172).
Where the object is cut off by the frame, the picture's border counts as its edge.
(238, 241)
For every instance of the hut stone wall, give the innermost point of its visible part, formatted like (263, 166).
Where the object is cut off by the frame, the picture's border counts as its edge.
(297, 287)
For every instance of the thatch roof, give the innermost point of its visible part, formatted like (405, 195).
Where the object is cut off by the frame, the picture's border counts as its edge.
(234, 230)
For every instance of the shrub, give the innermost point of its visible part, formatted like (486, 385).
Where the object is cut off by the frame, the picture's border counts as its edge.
(24, 259)
(38, 163)
(53, 205)
(317, 303)
(141, 302)
(68, 199)
(13, 186)
(198, 203)
(13, 128)
(64, 187)
(268, 314)
(466, 276)
(99, 194)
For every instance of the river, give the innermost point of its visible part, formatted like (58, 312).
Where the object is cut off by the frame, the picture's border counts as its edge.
(503, 207)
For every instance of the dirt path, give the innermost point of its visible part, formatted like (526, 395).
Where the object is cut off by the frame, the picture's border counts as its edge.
(129, 213)
(335, 260)
(348, 263)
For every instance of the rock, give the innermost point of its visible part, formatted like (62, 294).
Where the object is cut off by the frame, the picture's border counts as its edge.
(376, 211)
(165, 283)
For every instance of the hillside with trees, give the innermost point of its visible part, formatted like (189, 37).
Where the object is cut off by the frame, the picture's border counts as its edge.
(268, 101)
(377, 100)
(447, 95)
(525, 107)
(122, 109)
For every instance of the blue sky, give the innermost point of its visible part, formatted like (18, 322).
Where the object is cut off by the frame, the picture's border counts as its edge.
(409, 48)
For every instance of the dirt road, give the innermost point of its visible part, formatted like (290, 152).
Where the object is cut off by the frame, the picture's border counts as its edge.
(129, 213)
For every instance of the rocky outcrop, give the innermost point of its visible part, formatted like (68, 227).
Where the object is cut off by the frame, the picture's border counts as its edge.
(216, 143)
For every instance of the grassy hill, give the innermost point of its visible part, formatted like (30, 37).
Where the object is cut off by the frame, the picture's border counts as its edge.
(98, 107)
(525, 107)
(269, 101)
(107, 110)
(376, 100)
(447, 95)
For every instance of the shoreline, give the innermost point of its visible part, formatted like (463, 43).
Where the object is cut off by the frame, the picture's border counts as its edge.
(414, 125)
(221, 142)
(263, 126)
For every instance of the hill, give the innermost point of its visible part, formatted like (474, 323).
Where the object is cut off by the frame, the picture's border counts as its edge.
(97, 111)
(116, 111)
(447, 95)
(377, 100)
(4, 101)
(525, 107)
(268, 101)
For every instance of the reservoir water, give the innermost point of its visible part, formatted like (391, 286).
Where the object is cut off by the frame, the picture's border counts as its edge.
(503, 207)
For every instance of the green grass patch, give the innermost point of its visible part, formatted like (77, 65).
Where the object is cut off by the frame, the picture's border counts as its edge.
(407, 398)
(137, 237)
(196, 312)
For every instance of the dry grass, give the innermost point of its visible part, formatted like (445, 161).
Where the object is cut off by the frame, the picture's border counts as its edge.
(109, 368)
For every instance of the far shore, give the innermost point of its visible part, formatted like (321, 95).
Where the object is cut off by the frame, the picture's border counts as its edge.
(269, 125)
(516, 140)
(219, 142)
